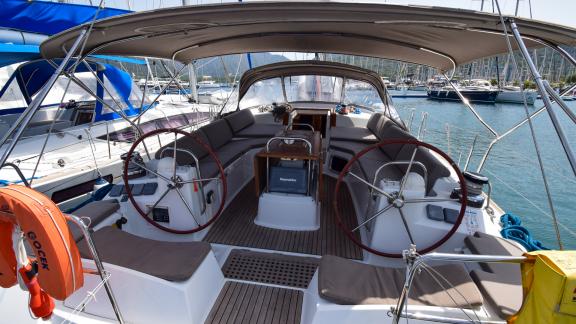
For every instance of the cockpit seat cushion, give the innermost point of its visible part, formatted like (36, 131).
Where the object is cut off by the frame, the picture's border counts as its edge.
(359, 134)
(218, 133)
(172, 261)
(500, 283)
(486, 244)
(260, 130)
(356, 134)
(96, 211)
(186, 143)
(240, 119)
(348, 282)
(243, 124)
(504, 297)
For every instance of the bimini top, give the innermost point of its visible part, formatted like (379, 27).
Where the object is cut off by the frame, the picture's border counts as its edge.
(437, 37)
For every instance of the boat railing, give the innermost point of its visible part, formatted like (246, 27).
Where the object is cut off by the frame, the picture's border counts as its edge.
(415, 262)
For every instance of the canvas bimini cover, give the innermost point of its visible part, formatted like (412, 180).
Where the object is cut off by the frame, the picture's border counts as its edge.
(25, 82)
(437, 37)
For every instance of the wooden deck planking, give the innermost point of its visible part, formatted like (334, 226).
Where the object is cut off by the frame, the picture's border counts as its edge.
(236, 227)
(248, 303)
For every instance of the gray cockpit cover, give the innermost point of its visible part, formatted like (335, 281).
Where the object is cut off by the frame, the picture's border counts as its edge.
(437, 37)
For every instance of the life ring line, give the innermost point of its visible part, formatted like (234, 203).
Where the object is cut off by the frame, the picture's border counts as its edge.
(44, 226)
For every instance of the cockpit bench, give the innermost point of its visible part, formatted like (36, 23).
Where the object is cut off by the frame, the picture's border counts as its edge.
(348, 282)
(96, 211)
(172, 261)
(501, 284)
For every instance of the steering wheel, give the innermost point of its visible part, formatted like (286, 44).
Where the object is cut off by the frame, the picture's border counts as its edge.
(174, 183)
(396, 200)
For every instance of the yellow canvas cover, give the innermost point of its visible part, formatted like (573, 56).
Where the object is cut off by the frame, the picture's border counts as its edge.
(549, 285)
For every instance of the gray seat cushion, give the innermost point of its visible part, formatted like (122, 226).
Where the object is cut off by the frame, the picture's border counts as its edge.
(500, 283)
(185, 143)
(240, 120)
(172, 261)
(96, 211)
(347, 282)
(218, 133)
(504, 297)
(236, 148)
(485, 244)
(357, 134)
(260, 130)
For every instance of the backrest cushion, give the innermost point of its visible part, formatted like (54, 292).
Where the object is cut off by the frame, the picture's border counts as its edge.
(218, 133)
(391, 131)
(185, 143)
(373, 122)
(240, 120)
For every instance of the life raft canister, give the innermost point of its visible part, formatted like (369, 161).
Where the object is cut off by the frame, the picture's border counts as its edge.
(44, 226)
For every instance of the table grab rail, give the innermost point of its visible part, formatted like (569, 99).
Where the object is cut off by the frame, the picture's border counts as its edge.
(200, 184)
(301, 124)
(295, 139)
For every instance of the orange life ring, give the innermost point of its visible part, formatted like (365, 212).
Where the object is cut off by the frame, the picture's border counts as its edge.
(44, 226)
(7, 257)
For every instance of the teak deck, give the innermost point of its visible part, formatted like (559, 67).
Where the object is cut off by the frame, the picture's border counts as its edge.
(236, 227)
(255, 304)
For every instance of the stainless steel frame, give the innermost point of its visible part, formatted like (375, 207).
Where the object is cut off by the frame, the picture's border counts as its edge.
(99, 266)
(417, 163)
(415, 262)
(280, 138)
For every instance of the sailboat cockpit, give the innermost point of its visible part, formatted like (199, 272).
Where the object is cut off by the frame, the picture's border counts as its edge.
(310, 201)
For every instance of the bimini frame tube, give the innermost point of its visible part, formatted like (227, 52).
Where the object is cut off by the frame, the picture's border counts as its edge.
(26, 116)
(515, 127)
(544, 95)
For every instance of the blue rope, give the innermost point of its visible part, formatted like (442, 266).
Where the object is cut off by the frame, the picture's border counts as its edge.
(512, 229)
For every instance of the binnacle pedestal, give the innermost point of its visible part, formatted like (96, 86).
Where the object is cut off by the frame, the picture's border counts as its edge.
(288, 178)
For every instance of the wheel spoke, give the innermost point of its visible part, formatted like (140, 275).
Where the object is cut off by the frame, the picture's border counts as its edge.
(199, 180)
(157, 202)
(405, 178)
(153, 172)
(174, 156)
(430, 200)
(406, 225)
(380, 191)
(187, 206)
(378, 213)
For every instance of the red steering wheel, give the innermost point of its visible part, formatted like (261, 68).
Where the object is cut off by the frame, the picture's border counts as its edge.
(174, 183)
(396, 199)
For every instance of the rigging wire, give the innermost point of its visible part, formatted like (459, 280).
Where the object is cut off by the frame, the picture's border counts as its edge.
(532, 131)
(73, 70)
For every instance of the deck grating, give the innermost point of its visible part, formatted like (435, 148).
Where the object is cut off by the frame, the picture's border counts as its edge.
(249, 303)
(236, 227)
(270, 268)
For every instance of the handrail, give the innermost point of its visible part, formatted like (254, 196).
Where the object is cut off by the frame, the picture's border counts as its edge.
(99, 266)
(282, 138)
(418, 163)
(302, 124)
(415, 261)
(17, 169)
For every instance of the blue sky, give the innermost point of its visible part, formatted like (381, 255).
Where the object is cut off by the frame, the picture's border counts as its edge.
(555, 11)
